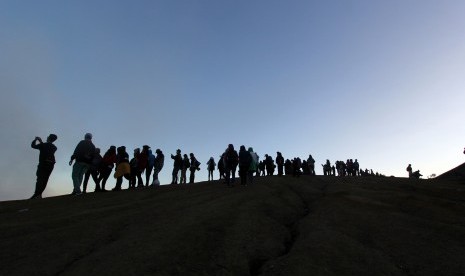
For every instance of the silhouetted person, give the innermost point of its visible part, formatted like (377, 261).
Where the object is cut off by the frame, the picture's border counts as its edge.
(135, 172)
(211, 168)
(194, 166)
(231, 160)
(149, 167)
(409, 170)
(46, 162)
(176, 166)
(106, 166)
(356, 168)
(269, 165)
(245, 159)
(253, 165)
(305, 167)
(158, 166)
(297, 164)
(349, 167)
(93, 171)
(288, 167)
(184, 167)
(142, 160)
(416, 174)
(280, 163)
(340, 167)
(122, 167)
(261, 168)
(221, 166)
(327, 168)
(83, 154)
(311, 165)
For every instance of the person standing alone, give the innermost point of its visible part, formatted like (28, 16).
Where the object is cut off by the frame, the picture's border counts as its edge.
(46, 162)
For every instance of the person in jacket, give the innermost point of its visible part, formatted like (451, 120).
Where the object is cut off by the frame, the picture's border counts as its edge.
(280, 163)
(409, 170)
(269, 165)
(311, 164)
(106, 166)
(184, 167)
(142, 160)
(194, 166)
(221, 167)
(245, 159)
(231, 160)
(122, 167)
(158, 166)
(288, 167)
(83, 154)
(176, 166)
(253, 165)
(211, 167)
(134, 165)
(46, 162)
(93, 171)
(149, 167)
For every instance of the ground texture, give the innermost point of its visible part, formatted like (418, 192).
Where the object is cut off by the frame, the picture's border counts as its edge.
(278, 226)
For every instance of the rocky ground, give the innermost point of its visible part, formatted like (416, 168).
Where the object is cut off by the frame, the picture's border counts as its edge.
(278, 226)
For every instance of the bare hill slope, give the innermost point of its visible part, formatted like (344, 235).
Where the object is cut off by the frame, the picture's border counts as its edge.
(457, 173)
(279, 226)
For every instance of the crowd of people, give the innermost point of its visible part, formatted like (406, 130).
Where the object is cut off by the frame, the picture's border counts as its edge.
(88, 162)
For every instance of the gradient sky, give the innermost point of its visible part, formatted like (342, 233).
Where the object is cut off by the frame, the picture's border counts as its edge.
(380, 81)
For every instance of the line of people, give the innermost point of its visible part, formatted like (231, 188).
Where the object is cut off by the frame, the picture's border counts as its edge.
(88, 162)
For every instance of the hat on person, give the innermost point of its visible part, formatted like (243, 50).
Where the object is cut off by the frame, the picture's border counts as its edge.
(88, 136)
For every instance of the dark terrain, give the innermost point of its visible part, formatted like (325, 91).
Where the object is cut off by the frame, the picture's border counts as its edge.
(278, 226)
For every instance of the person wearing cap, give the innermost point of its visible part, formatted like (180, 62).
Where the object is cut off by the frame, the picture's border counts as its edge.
(46, 162)
(83, 154)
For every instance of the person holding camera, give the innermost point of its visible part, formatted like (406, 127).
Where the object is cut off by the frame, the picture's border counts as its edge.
(176, 166)
(46, 162)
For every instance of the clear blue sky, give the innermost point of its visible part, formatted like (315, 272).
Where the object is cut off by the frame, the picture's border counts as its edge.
(380, 81)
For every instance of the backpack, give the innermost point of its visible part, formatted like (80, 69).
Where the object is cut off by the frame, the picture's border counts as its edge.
(232, 157)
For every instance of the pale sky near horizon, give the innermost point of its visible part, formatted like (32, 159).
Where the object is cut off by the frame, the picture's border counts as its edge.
(378, 81)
